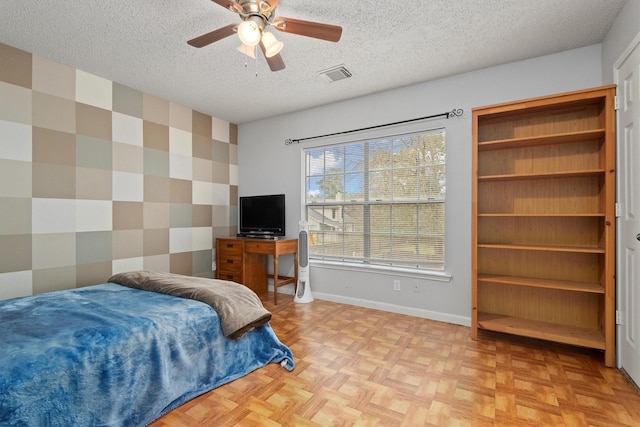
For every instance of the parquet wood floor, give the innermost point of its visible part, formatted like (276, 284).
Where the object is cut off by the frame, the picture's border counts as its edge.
(362, 367)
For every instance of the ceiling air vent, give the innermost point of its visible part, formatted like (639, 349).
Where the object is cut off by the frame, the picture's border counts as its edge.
(336, 73)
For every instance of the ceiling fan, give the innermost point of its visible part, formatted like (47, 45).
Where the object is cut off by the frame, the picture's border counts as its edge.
(256, 16)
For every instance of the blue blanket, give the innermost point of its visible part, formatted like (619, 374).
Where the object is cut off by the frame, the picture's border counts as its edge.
(114, 356)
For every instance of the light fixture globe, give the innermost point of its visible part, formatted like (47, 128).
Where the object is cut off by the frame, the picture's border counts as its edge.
(249, 32)
(250, 51)
(272, 46)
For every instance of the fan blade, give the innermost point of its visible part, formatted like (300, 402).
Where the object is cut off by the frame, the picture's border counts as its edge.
(213, 36)
(224, 3)
(316, 30)
(275, 62)
(229, 4)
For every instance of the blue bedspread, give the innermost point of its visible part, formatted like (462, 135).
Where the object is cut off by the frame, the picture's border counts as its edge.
(109, 355)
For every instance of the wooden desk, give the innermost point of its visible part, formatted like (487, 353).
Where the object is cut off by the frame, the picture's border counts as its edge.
(245, 261)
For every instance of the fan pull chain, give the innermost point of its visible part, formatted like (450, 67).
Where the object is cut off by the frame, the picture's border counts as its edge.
(255, 60)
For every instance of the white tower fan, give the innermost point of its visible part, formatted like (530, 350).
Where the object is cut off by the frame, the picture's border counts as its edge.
(303, 289)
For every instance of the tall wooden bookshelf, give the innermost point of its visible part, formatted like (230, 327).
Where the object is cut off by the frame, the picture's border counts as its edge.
(543, 219)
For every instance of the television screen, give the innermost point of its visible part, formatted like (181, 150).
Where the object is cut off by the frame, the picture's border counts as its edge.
(262, 216)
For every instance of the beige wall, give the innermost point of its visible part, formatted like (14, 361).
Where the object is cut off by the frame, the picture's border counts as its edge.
(98, 178)
(262, 150)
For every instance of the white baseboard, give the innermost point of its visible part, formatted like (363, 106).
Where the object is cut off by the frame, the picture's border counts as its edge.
(392, 308)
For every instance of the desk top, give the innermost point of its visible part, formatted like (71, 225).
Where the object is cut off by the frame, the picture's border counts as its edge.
(283, 245)
(259, 239)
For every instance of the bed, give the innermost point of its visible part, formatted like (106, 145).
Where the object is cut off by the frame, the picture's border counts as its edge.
(120, 355)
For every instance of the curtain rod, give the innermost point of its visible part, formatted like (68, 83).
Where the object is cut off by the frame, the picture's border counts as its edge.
(456, 112)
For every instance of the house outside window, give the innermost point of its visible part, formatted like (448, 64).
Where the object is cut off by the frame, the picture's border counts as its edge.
(378, 202)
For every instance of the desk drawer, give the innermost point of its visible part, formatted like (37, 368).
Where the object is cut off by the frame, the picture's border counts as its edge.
(229, 262)
(230, 247)
(253, 247)
(234, 276)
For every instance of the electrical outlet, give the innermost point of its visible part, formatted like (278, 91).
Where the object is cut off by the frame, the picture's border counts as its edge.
(396, 285)
(416, 286)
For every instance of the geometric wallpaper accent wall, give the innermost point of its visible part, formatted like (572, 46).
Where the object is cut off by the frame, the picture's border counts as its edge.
(97, 178)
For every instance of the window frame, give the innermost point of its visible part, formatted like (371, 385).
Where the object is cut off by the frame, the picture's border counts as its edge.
(439, 274)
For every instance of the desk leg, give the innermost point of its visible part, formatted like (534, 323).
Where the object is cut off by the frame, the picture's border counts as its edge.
(275, 279)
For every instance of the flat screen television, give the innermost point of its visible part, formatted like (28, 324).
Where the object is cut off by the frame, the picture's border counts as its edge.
(261, 216)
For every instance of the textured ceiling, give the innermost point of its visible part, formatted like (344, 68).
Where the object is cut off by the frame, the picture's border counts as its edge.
(385, 44)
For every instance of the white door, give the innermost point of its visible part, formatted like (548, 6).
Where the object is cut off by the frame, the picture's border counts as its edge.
(628, 236)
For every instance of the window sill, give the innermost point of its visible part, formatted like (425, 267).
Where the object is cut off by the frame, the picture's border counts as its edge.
(440, 276)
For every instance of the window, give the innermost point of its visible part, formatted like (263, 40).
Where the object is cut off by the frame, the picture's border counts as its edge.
(378, 201)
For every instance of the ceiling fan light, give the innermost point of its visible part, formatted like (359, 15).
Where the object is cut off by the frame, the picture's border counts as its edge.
(249, 33)
(272, 46)
(250, 51)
